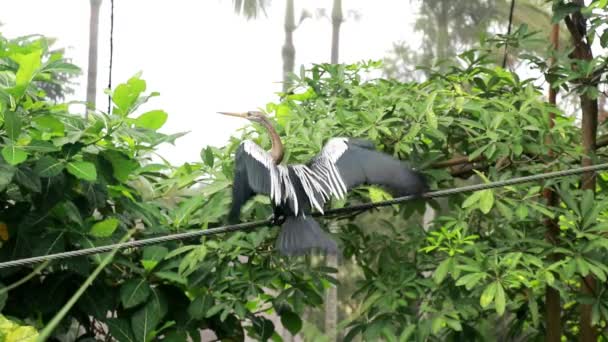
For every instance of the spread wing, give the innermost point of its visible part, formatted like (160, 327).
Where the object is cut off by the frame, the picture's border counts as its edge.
(347, 163)
(252, 176)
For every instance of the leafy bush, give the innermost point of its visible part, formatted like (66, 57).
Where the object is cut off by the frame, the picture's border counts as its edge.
(480, 270)
(68, 183)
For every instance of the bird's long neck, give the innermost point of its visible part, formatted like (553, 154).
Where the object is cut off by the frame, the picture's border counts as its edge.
(276, 151)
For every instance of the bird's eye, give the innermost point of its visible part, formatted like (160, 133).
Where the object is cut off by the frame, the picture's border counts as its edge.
(249, 114)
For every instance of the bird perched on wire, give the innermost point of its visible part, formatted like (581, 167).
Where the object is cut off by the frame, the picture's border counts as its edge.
(295, 190)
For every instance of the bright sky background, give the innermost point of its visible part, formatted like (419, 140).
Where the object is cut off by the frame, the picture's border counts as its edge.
(203, 58)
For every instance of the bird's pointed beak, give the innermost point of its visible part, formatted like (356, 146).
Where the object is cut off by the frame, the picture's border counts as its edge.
(238, 115)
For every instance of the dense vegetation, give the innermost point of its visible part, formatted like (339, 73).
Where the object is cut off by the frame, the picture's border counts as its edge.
(482, 269)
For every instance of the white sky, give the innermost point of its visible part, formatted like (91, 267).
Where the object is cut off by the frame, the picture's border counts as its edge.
(202, 57)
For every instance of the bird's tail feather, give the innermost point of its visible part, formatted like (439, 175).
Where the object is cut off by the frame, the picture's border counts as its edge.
(301, 235)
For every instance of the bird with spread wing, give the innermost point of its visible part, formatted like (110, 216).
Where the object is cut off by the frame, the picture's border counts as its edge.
(295, 190)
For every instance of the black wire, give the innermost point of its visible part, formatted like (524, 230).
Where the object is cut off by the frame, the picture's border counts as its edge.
(337, 211)
(111, 54)
(504, 59)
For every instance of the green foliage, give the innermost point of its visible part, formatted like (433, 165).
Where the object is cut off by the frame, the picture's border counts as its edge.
(11, 331)
(68, 183)
(478, 271)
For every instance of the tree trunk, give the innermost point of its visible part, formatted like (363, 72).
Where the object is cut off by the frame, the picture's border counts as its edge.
(576, 24)
(331, 304)
(92, 69)
(552, 297)
(289, 51)
(442, 31)
(336, 22)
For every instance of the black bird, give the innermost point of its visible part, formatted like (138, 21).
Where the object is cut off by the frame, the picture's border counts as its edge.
(296, 189)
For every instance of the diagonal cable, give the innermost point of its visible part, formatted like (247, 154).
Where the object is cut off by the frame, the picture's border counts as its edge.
(337, 211)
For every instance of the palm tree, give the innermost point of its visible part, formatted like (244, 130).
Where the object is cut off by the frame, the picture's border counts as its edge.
(250, 9)
(289, 51)
(93, 34)
(336, 22)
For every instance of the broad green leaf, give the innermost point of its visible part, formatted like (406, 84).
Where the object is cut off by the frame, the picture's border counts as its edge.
(83, 170)
(14, 155)
(377, 194)
(12, 125)
(156, 253)
(442, 270)
(28, 179)
(207, 156)
(28, 66)
(499, 299)
(172, 277)
(486, 201)
(120, 329)
(199, 306)
(48, 167)
(153, 119)
(134, 292)
(122, 166)
(474, 198)
(180, 250)
(470, 280)
(49, 123)
(431, 117)
(6, 175)
(22, 334)
(126, 94)
(145, 320)
(291, 321)
(214, 310)
(487, 295)
(104, 228)
(187, 208)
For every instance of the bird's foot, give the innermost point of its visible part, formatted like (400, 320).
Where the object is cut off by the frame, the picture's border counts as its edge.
(277, 219)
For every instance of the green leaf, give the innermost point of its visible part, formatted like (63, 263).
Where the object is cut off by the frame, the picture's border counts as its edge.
(486, 201)
(214, 310)
(122, 166)
(263, 327)
(28, 66)
(153, 119)
(145, 320)
(291, 321)
(104, 228)
(207, 156)
(488, 295)
(49, 123)
(186, 208)
(125, 95)
(377, 194)
(156, 253)
(470, 280)
(14, 155)
(12, 125)
(48, 167)
(83, 170)
(28, 179)
(6, 175)
(24, 333)
(499, 299)
(431, 118)
(134, 292)
(442, 270)
(474, 198)
(120, 329)
(199, 306)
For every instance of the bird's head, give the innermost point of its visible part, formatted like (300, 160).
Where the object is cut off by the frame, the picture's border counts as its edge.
(255, 116)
